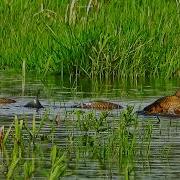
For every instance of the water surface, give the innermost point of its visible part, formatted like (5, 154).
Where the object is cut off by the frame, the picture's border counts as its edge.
(57, 96)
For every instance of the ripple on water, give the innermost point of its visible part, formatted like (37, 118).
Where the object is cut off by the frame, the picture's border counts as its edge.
(163, 162)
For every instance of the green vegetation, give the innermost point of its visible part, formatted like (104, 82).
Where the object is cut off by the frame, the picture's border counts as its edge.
(25, 155)
(97, 39)
(113, 145)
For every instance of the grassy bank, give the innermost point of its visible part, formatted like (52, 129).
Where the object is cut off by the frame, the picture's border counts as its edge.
(92, 38)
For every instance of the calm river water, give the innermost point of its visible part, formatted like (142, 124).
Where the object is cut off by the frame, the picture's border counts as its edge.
(57, 96)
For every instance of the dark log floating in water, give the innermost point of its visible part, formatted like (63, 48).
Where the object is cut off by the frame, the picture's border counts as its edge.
(35, 103)
(166, 105)
(6, 101)
(101, 105)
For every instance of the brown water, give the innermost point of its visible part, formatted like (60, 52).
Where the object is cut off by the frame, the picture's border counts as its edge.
(57, 96)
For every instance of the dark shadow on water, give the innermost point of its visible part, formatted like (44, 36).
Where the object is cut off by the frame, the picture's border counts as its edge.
(168, 116)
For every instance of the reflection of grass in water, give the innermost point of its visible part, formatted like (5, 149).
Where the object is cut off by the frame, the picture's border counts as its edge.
(91, 38)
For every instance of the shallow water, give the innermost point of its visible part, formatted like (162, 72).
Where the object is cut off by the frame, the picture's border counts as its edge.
(57, 96)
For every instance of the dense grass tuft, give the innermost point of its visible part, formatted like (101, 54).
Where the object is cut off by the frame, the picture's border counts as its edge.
(97, 39)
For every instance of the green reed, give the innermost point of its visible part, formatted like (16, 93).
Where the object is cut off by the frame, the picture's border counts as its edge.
(18, 147)
(18, 125)
(29, 169)
(115, 143)
(112, 143)
(58, 164)
(34, 131)
(97, 39)
(15, 159)
(27, 153)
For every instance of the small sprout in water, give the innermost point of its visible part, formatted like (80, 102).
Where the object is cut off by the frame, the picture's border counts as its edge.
(1, 134)
(43, 137)
(57, 119)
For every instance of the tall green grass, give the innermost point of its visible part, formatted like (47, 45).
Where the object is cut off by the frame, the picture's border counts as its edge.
(97, 39)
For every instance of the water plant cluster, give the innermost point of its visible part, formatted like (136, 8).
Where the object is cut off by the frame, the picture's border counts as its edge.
(95, 39)
(113, 144)
(23, 155)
